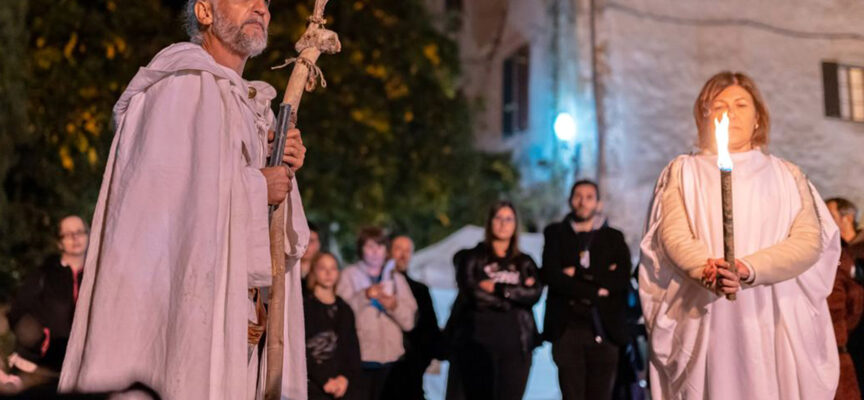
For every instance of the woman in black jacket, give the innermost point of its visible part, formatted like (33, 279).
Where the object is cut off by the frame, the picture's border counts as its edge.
(332, 350)
(493, 327)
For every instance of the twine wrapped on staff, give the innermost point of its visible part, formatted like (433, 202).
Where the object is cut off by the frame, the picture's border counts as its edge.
(305, 76)
(724, 162)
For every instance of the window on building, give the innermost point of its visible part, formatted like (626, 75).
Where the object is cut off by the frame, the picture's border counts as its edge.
(844, 91)
(515, 91)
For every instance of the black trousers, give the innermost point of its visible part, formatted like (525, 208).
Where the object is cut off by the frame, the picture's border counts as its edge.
(586, 369)
(490, 373)
(375, 380)
(405, 381)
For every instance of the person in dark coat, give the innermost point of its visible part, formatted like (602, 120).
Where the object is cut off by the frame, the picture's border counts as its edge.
(332, 350)
(846, 301)
(493, 329)
(41, 312)
(587, 266)
(423, 343)
(454, 326)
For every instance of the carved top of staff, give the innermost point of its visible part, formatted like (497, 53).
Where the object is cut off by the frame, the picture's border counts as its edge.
(316, 35)
(316, 40)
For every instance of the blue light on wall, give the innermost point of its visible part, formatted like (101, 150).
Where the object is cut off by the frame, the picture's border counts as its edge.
(565, 127)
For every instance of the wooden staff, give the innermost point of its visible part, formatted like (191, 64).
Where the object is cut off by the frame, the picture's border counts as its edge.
(305, 76)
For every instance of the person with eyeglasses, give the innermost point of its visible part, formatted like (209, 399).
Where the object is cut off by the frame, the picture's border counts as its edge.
(493, 327)
(41, 313)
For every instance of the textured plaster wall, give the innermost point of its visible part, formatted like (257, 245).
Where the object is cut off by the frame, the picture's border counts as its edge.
(656, 65)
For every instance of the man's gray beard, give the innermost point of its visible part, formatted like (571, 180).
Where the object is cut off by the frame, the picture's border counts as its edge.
(237, 40)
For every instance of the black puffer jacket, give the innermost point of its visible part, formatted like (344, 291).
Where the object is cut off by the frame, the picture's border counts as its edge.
(512, 296)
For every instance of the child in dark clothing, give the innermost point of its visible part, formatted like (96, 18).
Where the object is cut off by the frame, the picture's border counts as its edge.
(332, 349)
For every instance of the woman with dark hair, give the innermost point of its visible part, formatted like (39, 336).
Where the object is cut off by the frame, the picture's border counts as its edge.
(775, 340)
(494, 330)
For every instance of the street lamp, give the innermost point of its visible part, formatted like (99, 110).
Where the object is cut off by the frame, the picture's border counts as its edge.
(565, 127)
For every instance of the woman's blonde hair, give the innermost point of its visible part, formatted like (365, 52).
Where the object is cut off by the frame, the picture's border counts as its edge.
(712, 88)
(310, 277)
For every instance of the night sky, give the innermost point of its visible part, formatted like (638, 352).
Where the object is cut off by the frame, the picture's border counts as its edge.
(175, 4)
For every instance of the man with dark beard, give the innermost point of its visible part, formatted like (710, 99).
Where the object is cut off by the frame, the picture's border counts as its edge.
(180, 232)
(586, 265)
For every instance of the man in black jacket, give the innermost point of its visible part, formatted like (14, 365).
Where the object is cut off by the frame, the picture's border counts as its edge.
(586, 265)
(423, 343)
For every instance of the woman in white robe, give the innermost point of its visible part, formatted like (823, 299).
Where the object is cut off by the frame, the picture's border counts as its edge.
(776, 340)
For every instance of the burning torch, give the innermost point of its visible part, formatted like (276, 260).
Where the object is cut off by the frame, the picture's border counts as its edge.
(724, 162)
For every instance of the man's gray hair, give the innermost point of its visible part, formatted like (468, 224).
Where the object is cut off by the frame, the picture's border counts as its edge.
(190, 22)
(844, 207)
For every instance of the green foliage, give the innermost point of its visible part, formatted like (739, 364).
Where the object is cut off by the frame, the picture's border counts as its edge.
(13, 34)
(389, 138)
(64, 65)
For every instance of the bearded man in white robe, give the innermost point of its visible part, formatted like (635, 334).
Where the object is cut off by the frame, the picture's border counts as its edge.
(776, 340)
(180, 230)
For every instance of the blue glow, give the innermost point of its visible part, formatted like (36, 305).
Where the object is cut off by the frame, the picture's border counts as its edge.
(565, 127)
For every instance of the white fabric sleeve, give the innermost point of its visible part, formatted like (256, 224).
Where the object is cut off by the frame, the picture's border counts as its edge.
(799, 251)
(680, 244)
(752, 277)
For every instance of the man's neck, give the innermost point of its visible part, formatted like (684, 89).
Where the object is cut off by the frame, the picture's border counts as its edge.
(583, 226)
(223, 54)
(72, 261)
(325, 295)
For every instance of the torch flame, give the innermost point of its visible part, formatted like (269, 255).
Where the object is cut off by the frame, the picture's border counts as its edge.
(721, 133)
